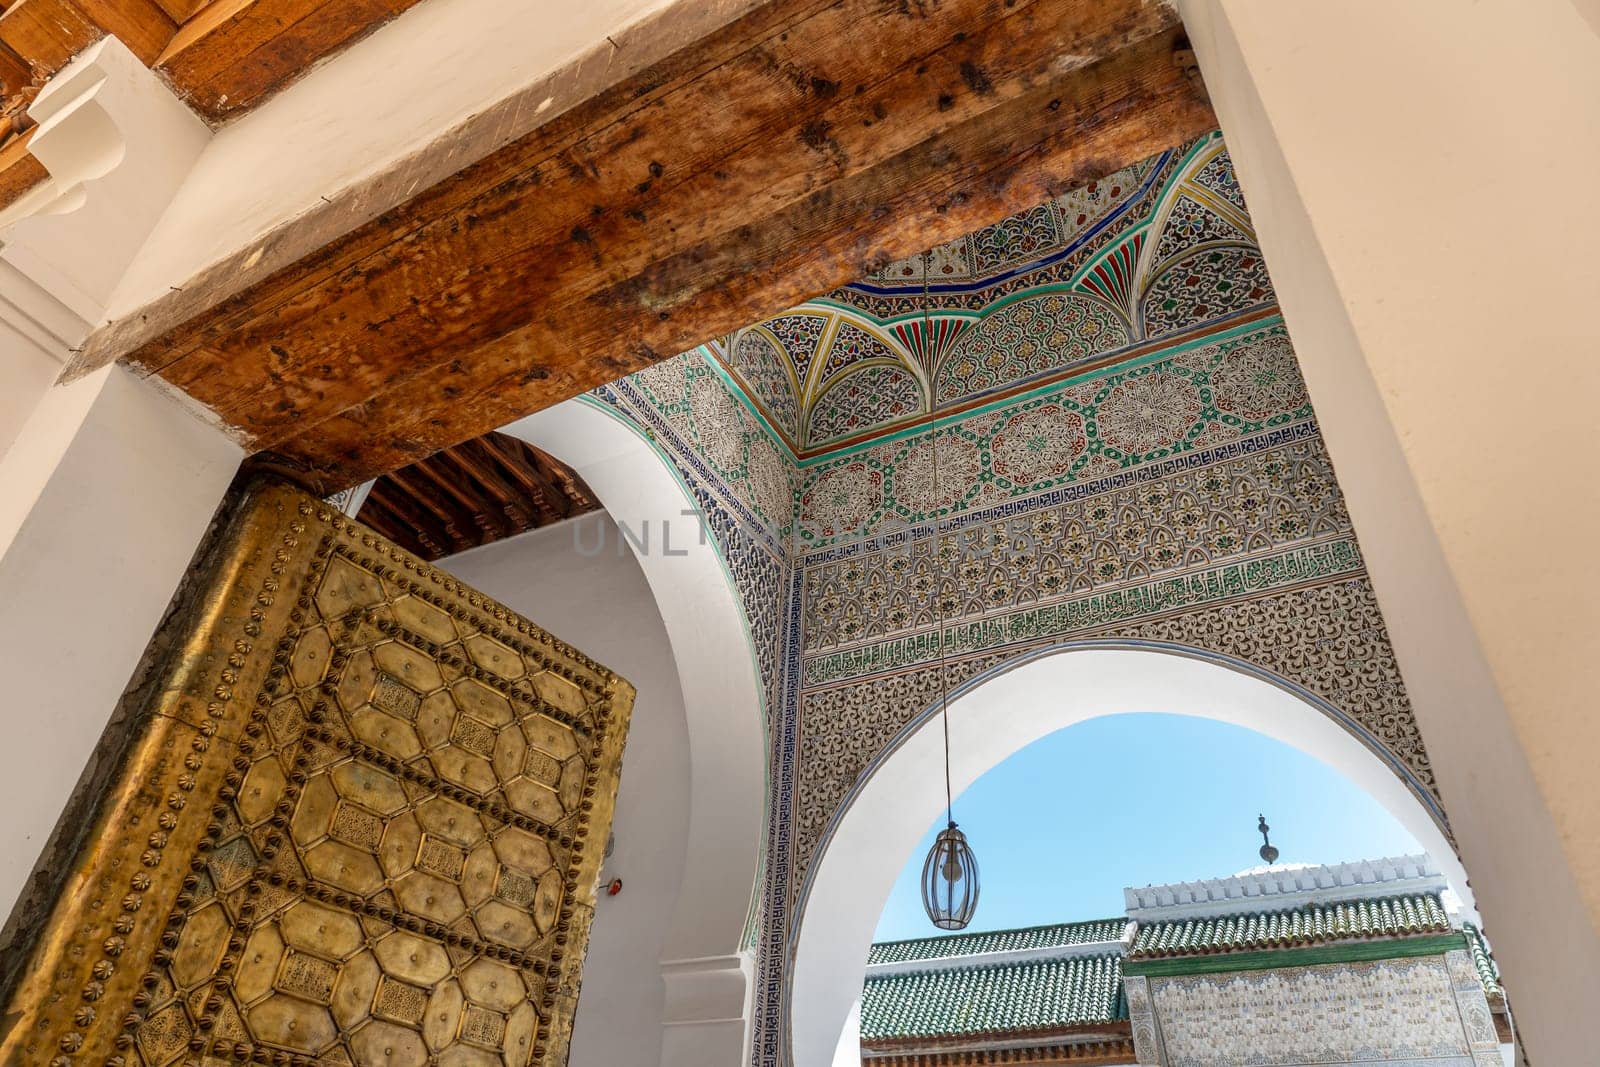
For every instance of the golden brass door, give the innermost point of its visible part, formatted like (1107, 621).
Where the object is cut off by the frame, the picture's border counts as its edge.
(361, 824)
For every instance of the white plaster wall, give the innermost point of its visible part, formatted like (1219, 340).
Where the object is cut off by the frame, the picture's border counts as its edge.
(363, 110)
(1418, 174)
(26, 371)
(704, 965)
(602, 604)
(116, 144)
(103, 498)
(872, 841)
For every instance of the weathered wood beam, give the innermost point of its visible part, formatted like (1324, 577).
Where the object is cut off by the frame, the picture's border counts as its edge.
(789, 152)
(47, 33)
(16, 75)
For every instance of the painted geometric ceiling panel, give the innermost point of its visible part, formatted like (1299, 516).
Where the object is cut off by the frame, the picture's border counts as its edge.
(1156, 252)
(881, 392)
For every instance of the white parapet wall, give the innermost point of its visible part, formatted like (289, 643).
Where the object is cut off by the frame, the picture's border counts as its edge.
(1285, 886)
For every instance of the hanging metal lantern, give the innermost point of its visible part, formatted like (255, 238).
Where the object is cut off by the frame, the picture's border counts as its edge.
(950, 873)
(950, 881)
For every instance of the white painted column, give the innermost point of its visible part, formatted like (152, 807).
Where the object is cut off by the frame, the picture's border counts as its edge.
(581, 581)
(117, 145)
(848, 1054)
(706, 975)
(104, 497)
(1419, 174)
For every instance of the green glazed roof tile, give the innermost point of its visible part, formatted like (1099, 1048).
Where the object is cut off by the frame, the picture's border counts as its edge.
(928, 948)
(977, 1000)
(1488, 973)
(1383, 917)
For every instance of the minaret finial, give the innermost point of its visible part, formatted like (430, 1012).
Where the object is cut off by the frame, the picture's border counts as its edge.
(1268, 853)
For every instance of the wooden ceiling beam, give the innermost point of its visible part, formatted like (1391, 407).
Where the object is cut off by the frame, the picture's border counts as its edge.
(494, 479)
(472, 461)
(524, 466)
(455, 523)
(395, 513)
(222, 57)
(570, 485)
(48, 33)
(792, 151)
(489, 520)
(20, 171)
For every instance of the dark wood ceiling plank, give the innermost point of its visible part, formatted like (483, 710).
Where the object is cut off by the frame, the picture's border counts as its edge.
(494, 478)
(568, 480)
(395, 514)
(473, 462)
(522, 462)
(490, 521)
(457, 523)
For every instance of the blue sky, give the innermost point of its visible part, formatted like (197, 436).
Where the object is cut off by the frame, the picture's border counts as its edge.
(1062, 826)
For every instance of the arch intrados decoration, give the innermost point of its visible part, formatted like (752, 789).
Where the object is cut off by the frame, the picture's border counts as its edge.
(811, 387)
(869, 839)
(843, 374)
(702, 951)
(894, 371)
(765, 331)
(1167, 266)
(819, 381)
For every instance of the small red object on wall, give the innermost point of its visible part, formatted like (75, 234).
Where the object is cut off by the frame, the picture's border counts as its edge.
(614, 888)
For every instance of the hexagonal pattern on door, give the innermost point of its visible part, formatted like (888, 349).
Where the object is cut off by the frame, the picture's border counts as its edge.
(409, 791)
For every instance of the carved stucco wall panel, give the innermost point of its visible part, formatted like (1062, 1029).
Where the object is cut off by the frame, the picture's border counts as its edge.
(1243, 549)
(1427, 1011)
(1127, 453)
(362, 825)
(1327, 638)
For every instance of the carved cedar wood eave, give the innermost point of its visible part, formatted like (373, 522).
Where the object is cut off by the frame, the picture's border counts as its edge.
(1113, 1046)
(472, 494)
(365, 808)
(776, 157)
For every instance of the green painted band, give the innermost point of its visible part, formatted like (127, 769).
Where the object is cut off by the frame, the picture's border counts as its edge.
(1270, 959)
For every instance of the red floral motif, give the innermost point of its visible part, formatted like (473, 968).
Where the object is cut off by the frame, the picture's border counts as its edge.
(1038, 445)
